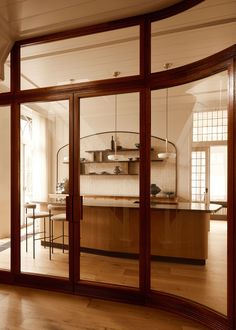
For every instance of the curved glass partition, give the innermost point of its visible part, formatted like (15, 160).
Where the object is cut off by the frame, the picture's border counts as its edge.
(88, 142)
(189, 229)
(186, 37)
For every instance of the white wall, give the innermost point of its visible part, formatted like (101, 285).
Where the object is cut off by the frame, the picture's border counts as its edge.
(5, 167)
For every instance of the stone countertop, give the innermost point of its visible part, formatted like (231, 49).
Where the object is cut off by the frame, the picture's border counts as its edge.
(154, 205)
(131, 202)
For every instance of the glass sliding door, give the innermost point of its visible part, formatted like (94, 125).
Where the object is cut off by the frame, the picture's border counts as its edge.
(188, 233)
(5, 194)
(44, 187)
(109, 185)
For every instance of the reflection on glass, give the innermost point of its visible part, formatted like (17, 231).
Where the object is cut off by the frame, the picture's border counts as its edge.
(80, 59)
(189, 229)
(109, 178)
(44, 227)
(5, 194)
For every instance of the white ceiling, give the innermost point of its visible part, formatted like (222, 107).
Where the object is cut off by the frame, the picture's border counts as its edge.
(24, 18)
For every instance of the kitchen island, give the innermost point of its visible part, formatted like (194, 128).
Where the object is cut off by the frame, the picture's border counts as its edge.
(179, 230)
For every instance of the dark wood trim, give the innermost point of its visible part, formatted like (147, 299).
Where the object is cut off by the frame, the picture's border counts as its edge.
(231, 207)
(15, 68)
(141, 83)
(77, 205)
(173, 77)
(191, 72)
(112, 292)
(144, 184)
(15, 164)
(187, 308)
(88, 89)
(69, 199)
(145, 48)
(15, 188)
(51, 283)
(112, 25)
(6, 277)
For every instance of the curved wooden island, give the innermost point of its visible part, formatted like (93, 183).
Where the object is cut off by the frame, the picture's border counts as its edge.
(179, 232)
(110, 226)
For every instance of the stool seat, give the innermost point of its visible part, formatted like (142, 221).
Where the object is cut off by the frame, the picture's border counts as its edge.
(57, 217)
(37, 215)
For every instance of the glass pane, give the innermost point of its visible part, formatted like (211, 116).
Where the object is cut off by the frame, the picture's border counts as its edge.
(186, 37)
(5, 194)
(81, 59)
(188, 232)
(5, 82)
(109, 178)
(44, 187)
(199, 181)
(218, 170)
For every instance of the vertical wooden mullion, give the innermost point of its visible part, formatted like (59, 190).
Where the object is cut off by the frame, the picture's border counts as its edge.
(145, 145)
(75, 234)
(231, 207)
(15, 162)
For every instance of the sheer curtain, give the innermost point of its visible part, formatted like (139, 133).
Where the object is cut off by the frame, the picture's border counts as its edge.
(39, 157)
(36, 156)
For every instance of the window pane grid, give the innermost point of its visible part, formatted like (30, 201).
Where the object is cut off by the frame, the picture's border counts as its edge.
(210, 126)
(198, 175)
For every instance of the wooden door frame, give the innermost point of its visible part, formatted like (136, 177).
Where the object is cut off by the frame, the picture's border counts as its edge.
(146, 81)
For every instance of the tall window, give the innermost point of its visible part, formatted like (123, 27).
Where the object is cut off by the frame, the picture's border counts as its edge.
(209, 157)
(210, 126)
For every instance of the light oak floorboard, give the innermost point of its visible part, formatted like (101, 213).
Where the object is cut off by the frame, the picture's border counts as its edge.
(203, 284)
(29, 309)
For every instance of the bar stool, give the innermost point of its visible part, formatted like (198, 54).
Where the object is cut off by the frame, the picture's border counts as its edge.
(58, 217)
(31, 213)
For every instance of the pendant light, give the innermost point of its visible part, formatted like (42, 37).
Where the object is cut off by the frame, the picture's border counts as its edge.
(166, 154)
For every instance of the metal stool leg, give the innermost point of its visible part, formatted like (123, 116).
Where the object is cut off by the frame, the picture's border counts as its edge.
(63, 237)
(34, 238)
(52, 236)
(44, 232)
(26, 235)
(50, 239)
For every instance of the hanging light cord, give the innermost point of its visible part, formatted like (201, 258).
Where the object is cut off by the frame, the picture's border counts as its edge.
(167, 95)
(167, 66)
(116, 74)
(115, 139)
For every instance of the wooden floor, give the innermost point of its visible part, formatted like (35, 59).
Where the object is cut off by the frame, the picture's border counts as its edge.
(203, 284)
(29, 309)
